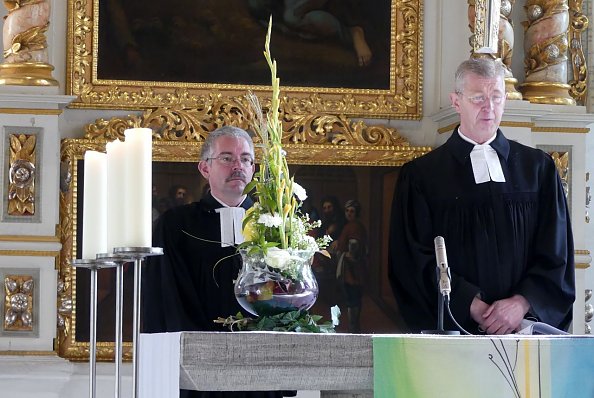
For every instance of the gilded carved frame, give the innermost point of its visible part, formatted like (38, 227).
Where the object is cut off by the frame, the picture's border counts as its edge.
(178, 135)
(402, 100)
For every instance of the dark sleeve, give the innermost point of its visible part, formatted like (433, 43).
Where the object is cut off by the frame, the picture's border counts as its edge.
(549, 285)
(411, 269)
(169, 302)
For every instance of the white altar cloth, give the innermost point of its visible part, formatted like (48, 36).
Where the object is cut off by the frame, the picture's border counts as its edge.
(158, 365)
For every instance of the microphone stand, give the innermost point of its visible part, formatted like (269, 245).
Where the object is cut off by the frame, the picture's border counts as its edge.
(441, 300)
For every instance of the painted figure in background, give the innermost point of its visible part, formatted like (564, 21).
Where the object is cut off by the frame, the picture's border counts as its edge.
(319, 19)
(351, 251)
(25, 43)
(332, 218)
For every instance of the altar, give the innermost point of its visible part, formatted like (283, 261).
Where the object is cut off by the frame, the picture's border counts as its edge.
(357, 365)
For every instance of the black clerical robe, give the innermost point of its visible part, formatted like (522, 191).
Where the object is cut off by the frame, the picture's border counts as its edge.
(501, 238)
(192, 283)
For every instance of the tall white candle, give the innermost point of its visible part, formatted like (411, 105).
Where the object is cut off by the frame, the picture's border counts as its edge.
(94, 239)
(139, 161)
(116, 194)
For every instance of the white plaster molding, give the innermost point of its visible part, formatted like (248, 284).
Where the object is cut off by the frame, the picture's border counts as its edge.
(53, 377)
(25, 245)
(32, 99)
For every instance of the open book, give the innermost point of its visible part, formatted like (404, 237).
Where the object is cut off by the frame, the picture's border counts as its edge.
(533, 327)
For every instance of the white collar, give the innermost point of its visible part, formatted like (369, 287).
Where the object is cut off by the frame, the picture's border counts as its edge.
(231, 222)
(486, 165)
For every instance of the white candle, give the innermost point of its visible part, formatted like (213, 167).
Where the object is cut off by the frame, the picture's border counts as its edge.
(139, 162)
(94, 239)
(116, 194)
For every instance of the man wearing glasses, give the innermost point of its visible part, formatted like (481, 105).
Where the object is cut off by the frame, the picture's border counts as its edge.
(192, 283)
(502, 211)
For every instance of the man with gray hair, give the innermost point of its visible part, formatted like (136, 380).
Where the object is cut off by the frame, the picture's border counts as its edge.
(501, 208)
(192, 283)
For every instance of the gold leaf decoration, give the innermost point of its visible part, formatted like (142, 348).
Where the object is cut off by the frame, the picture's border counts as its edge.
(30, 39)
(21, 188)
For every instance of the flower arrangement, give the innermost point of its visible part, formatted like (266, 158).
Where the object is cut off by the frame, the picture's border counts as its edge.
(276, 277)
(275, 224)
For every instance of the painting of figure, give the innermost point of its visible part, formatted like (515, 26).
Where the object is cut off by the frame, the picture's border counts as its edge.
(326, 44)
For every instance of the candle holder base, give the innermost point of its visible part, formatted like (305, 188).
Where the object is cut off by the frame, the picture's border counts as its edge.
(98, 263)
(137, 252)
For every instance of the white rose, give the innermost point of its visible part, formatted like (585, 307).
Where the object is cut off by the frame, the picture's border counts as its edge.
(277, 258)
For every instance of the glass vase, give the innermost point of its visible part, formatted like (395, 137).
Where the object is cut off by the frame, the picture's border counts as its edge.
(276, 283)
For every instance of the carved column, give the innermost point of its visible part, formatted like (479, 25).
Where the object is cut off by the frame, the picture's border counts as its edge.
(25, 44)
(545, 47)
(506, 48)
(501, 35)
(578, 24)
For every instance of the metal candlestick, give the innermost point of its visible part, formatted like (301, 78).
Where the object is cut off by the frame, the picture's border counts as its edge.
(136, 254)
(93, 266)
(119, 311)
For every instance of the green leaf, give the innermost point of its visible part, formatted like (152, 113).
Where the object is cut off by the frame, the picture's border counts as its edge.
(290, 321)
(250, 186)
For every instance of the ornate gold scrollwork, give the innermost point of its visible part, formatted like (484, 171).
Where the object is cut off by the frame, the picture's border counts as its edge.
(562, 163)
(549, 52)
(578, 24)
(31, 39)
(18, 303)
(484, 24)
(331, 134)
(545, 51)
(21, 189)
(15, 4)
(25, 44)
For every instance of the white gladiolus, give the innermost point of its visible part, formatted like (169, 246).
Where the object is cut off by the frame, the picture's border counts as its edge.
(299, 191)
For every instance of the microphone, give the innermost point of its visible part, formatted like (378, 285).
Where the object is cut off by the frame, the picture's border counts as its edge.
(445, 287)
(442, 272)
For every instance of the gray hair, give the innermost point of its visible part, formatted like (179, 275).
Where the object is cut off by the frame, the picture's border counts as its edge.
(484, 67)
(225, 131)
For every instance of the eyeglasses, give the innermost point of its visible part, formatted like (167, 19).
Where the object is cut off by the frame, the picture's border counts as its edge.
(230, 160)
(482, 99)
